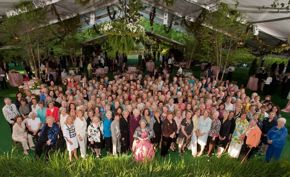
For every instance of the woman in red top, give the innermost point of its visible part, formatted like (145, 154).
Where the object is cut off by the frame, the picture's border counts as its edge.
(52, 111)
(71, 83)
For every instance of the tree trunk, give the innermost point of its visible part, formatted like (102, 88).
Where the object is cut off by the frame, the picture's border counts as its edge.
(34, 63)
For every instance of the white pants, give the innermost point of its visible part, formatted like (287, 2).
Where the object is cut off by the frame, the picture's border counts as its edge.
(116, 145)
(193, 144)
(83, 145)
(235, 149)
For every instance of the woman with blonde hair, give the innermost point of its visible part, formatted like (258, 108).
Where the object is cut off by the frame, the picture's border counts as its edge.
(70, 136)
(193, 144)
(204, 126)
(81, 130)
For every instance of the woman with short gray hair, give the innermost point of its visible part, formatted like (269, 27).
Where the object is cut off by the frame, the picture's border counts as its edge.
(276, 139)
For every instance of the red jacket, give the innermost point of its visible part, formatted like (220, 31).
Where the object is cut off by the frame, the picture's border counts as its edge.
(53, 113)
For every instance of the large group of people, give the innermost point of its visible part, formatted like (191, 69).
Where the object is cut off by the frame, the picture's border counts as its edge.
(140, 114)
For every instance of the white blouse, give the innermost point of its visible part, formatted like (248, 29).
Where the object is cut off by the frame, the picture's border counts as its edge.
(19, 132)
(81, 126)
(204, 124)
(62, 119)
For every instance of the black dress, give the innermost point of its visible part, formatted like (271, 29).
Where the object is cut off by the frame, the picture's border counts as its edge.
(157, 132)
(225, 132)
(124, 130)
(266, 126)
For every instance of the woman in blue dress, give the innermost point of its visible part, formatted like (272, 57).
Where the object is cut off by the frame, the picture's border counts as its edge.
(276, 139)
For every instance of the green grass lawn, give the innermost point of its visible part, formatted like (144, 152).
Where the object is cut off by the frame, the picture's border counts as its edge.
(13, 163)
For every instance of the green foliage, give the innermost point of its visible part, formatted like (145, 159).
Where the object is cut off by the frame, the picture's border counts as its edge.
(122, 44)
(224, 34)
(241, 55)
(271, 59)
(205, 51)
(190, 46)
(124, 33)
(59, 165)
(13, 54)
(160, 30)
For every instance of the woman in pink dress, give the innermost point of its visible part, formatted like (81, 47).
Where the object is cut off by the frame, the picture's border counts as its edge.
(143, 149)
(253, 83)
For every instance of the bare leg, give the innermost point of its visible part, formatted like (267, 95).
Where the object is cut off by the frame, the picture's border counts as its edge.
(220, 152)
(210, 148)
(75, 153)
(70, 154)
(201, 150)
(180, 145)
(98, 152)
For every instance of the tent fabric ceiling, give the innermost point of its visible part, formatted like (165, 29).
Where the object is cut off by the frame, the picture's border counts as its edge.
(261, 13)
(253, 11)
(6, 5)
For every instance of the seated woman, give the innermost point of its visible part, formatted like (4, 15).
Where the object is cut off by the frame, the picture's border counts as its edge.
(19, 134)
(47, 137)
(143, 149)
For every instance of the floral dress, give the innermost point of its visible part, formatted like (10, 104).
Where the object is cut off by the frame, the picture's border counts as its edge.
(241, 128)
(95, 134)
(237, 142)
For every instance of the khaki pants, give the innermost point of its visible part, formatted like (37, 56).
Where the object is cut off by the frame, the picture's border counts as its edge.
(23, 142)
(116, 145)
(30, 140)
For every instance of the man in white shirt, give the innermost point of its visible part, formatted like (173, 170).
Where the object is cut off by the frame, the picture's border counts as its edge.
(267, 85)
(10, 112)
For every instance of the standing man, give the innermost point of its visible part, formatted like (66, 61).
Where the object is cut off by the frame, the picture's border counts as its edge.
(3, 84)
(10, 112)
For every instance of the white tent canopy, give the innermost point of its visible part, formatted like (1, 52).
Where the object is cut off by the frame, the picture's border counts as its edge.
(268, 19)
(258, 12)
